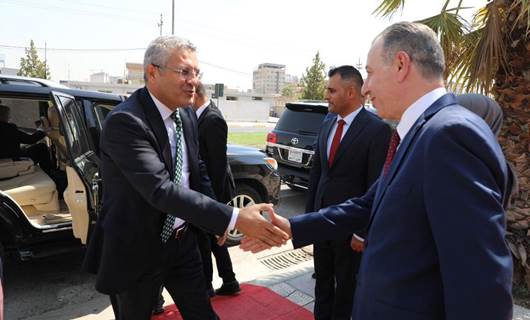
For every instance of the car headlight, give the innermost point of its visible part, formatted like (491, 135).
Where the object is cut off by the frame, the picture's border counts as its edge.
(271, 162)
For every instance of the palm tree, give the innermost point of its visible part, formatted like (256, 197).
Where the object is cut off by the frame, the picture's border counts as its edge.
(492, 55)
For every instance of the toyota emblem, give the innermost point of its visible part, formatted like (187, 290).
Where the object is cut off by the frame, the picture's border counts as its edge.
(294, 140)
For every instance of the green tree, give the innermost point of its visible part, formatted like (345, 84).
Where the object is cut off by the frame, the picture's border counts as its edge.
(314, 80)
(492, 55)
(32, 66)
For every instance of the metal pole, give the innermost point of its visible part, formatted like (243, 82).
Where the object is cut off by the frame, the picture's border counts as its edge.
(172, 17)
(45, 58)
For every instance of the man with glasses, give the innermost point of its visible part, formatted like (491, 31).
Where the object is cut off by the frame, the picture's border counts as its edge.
(153, 198)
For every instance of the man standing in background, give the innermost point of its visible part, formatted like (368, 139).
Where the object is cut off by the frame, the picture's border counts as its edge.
(213, 133)
(349, 155)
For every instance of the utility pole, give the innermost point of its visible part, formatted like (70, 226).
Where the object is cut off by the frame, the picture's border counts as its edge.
(160, 24)
(45, 60)
(172, 17)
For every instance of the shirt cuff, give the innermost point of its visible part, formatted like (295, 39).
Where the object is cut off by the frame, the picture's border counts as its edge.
(358, 238)
(232, 224)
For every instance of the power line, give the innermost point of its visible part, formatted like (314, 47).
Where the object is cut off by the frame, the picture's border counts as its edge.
(73, 49)
(121, 50)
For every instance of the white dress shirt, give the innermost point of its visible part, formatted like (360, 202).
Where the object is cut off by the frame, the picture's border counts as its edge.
(170, 125)
(199, 111)
(347, 122)
(416, 109)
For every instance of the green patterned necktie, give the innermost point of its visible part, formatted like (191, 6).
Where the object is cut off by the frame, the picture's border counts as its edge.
(167, 229)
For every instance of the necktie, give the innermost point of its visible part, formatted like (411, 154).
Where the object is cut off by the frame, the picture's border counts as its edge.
(394, 142)
(336, 141)
(167, 229)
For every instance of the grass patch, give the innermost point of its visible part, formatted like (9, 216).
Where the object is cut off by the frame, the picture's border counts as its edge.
(250, 139)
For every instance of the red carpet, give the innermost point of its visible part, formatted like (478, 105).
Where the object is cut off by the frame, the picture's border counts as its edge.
(253, 303)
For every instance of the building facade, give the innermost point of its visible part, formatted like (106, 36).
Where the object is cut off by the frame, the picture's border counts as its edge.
(269, 78)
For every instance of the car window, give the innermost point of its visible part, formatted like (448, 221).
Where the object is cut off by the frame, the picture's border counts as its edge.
(101, 111)
(76, 139)
(300, 121)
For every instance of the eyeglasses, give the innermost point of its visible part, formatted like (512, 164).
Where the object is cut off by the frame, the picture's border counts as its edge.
(185, 73)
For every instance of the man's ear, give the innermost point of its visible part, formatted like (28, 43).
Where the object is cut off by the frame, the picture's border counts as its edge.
(402, 64)
(151, 71)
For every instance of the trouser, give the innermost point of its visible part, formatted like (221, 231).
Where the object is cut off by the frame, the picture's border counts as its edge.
(207, 246)
(336, 267)
(183, 277)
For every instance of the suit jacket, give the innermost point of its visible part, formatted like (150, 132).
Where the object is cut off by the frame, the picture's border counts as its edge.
(137, 169)
(436, 246)
(357, 163)
(213, 133)
(12, 137)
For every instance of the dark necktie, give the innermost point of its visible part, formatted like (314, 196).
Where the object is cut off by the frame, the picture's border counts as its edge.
(167, 229)
(336, 141)
(394, 142)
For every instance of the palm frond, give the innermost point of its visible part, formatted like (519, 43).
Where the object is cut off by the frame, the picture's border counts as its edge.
(524, 14)
(482, 52)
(388, 8)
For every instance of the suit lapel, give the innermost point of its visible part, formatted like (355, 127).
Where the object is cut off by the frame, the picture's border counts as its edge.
(159, 129)
(326, 129)
(410, 139)
(189, 127)
(354, 129)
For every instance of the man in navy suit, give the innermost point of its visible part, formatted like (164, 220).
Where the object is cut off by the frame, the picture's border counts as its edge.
(435, 247)
(152, 200)
(349, 155)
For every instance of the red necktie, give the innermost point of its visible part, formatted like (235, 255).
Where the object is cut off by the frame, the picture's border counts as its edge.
(394, 142)
(336, 141)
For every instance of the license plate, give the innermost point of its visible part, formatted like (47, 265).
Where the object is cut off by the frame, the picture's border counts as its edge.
(295, 156)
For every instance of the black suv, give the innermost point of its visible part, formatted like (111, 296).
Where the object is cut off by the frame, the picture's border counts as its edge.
(37, 221)
(293, 139)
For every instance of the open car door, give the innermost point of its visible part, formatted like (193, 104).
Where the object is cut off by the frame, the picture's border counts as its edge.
(82, 170)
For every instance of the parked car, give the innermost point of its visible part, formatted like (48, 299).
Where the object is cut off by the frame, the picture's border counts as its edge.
(293, 139)
(37, 221)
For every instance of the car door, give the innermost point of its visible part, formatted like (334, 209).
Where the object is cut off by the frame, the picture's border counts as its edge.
(82, 171)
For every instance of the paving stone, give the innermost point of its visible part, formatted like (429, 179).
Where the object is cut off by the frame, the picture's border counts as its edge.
(300, 298)
(283, 289)
(304, 283)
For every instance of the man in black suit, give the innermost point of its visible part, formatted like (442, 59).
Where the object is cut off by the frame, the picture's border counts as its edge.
(153, 197)
(349, 155)
(12, 137)
(213, 133)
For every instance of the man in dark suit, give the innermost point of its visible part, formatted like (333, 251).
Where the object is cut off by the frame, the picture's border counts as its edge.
(435, 247)
(349, 155)
(153, 197)
(213, 133)
(12, 137)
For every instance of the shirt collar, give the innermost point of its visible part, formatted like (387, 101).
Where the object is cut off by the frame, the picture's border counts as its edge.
(416, 110)
(202, 108)
(164, 111)
(349, 118)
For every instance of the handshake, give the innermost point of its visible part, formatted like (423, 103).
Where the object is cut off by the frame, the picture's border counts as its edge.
(261, 234)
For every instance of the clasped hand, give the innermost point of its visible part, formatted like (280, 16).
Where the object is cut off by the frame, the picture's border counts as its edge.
(264, 234)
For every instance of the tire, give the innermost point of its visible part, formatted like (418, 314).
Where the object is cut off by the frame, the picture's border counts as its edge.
(245, 195)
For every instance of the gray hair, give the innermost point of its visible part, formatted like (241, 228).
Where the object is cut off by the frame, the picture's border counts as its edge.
(160, 49)
(200, 90)
(419, 42)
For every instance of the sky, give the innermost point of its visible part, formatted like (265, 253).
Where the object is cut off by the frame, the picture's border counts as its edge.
(232, 36)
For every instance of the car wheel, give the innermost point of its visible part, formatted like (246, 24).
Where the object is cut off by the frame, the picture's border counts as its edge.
(245, 196)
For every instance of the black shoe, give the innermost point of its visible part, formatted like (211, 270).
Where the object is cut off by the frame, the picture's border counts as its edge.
(228, 289)
(158, 310)
(314, 275)
(211, 293)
